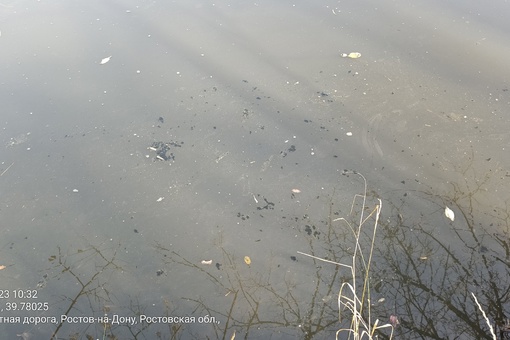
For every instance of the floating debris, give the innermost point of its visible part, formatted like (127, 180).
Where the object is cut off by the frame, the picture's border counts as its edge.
(220, 157)
(394, 320)
(105, 60)
(163, 150)
(352, 55)
(160, 199)
(449, 213)
(6, 169)
(247, 260)
(19, 139)
(296, 191)
(208, 262)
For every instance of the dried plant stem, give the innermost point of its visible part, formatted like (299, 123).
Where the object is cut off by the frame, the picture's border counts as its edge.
(484, 316)
(358, 302)
(324, 260)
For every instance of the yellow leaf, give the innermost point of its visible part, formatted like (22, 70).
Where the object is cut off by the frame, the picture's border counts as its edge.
(247, 260)
(2, 267)
(352, 55)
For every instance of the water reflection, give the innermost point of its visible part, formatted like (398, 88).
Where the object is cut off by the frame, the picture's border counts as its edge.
(424, 271)
(421, 277)
(429, 270)
(422, 280)
(264, 103)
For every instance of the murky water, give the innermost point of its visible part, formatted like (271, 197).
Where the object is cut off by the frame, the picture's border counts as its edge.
(133, 189)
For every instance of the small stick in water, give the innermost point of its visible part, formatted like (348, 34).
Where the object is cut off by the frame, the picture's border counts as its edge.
(7, 169)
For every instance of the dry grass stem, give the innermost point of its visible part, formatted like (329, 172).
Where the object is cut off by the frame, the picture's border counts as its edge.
(484, 316)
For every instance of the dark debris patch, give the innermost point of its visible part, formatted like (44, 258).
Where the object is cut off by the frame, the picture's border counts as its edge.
(163, 150)
(286, 152)
(312, 230)
(268, 206)
(242, 216)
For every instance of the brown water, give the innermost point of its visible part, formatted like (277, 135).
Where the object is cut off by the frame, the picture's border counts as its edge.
(255, 102)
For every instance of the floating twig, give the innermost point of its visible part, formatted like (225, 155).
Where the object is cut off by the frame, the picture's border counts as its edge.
(7, 169)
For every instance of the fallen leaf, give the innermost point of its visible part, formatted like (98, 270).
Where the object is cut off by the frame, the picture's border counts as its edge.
(296, 191)
(352, 55)
(449, 213)
(233, 335)
(105, 60)
(247, 260)
(2, 267)
(206, 262)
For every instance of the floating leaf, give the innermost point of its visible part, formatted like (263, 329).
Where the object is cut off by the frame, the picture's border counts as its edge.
(352, 55)
(2, 267)
(105, 60)
(449, 213)
(247, 260)
(206, 262)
